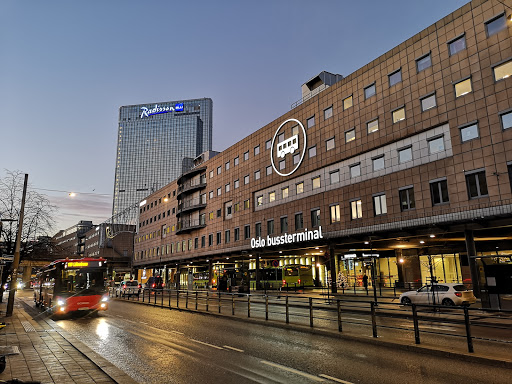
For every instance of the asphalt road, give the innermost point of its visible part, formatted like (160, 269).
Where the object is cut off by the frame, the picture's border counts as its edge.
(155, 345)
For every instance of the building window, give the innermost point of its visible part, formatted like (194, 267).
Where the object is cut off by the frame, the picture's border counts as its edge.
(210, 215)
(372, 126)
(347, 102)
(270, 227)
(379, 205)
(456, 45)
(237, 234)
(259, 201)
(350, 135)
(295, 130)
(228, 187)
(246, 179)
(509, 166)
(284, 224)
(280, 138)
(378, 163)
(219, 170)
(428, 102)
(310, 122)
(439, 192)
(268, 144)
(423, 62)
(236, 160)
(256, 150)
(299, 221)
(227, 236)
(219, 191)
(406, 196)
(219, 212)
(246, 156)
(316, 182)
(506, 120)
(404, 155)
(398, 115)
(299, 188)
(327, 113)
(502, 71)
(356, 209)
(469, 132)
(395, 77)
(202, 219)
(369, 91)
(315, 217)
(247, 204)
(271, 197)
(203, 243)
(237, 183)
(496, 24)
(355, 170)
(226, 166)
(210, 195)
(284, 193)
(476, 184)
(463, 87)
(296, 158)
(257, 229)
(210, 241)
(335, 213)
(269, 170)
(312, 151)
(334, 177)
(436, 144)
(219, 237)
(329, 144)
(257, 175)
(247, 232)
(237, 207)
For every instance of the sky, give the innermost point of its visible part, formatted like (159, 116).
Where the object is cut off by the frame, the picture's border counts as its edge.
(67, 66)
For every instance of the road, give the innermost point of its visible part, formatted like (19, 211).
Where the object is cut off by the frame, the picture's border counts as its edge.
(155, 345)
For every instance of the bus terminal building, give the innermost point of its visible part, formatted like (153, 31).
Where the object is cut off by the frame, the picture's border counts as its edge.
(401, 171)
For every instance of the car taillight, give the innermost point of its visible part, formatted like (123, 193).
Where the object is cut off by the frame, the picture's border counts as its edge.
(458, 294)
(299, 281)
(124, 286)
(153, 286)
(162, 285)
(140, 286)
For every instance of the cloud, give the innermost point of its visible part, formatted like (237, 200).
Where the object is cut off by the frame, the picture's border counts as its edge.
(71, 210)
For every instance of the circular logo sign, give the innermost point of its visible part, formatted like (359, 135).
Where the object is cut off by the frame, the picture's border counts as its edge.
(288, 142)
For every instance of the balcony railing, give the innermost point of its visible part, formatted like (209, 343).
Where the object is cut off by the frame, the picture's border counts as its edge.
(192, 185)
(189, 225)
(191, 205)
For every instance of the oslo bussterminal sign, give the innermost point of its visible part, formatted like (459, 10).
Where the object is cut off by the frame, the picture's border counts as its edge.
(287, 238)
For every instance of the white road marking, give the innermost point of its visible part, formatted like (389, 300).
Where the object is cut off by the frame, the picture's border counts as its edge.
(209, 345)
(233, 348)
(311, 377)
(353, 318)
(144, 323)
(179, 333)
(335, 379)
(361, 355)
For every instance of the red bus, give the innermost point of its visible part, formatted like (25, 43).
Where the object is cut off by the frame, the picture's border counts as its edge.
(72, 285)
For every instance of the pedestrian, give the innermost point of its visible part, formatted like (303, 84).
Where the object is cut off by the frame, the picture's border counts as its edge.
(365, 282)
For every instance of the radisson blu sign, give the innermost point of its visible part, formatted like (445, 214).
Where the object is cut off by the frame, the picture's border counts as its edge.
(146, 112)
(269, 241)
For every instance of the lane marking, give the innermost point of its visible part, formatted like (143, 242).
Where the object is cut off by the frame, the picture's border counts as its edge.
(144, 323)
(209, 345)
(179, 333)
(335, 379)
(353, 318)
(233, 348)
(297, 372)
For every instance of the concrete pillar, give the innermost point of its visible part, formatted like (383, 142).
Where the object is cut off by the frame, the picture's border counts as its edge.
(471, 255)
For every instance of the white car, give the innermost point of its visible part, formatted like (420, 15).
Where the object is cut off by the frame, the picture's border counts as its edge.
(128, 288)
(440, 293)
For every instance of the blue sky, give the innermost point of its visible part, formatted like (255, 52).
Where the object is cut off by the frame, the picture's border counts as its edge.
(67, 66)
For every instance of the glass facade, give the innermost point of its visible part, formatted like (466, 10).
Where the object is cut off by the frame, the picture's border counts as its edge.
(153, 141)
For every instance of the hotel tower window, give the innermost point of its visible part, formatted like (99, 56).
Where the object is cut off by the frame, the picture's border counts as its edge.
(496, 24)
(428, 102)
(350, 135)
(284, 224)
(271, 196)
(395, 77)
(269, 170)
(270, 227)
(369, 91)
(355, 170)
(502, 71)
(398, 114)
(327, 113)
(469, 132)
(463, 87)
(329, 144)
(456, 45)
(310, 122)
(372, 126)
(256, 150)
(378, 163)
(347, 102)
(423, 62)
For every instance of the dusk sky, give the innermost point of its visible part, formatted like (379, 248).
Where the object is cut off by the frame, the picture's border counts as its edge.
(67, 66)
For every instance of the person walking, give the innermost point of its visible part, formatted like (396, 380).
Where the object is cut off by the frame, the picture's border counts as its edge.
(365, 283)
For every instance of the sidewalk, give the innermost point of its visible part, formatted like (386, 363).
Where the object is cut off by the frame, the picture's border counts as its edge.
(39, 350)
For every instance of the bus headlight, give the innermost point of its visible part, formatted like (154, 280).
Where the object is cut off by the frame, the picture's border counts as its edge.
(60, 302)
(103, 305)
(62, 309)
(104, 298)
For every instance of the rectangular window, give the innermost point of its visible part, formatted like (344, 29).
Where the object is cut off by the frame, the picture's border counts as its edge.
(284, 192)
(439, 192)
(469, 132)
(335, 213)
(211, 174)
(406, 196)
(495, 25)
(350, 135)
(456, 45)
(347, 102)
(327, 113)
(247, 204)
(506, 120)
(372, 126)
(378, 163)
(310, 122)
(271, 196)
(259, 201)
(268, 144)
(316, 182)
(219, 212)
(355, 170)
(219, 237)
(219, 170)
(227, 187)
(237, 234)
(404, 155)
(299, 221)
(329, 144)
(226, 166)
(296, 158)
(247, 232)
(284, 224)
(312, 151)
(227, 236)
(299, 188)
(463, 87)
(398, 115)
(476, 184)
(282, 165)
(246, 156)
(502, 71)
(280, 138)
(315, 217)
(334, 177)
(203, 241)
(356, 209)
(270, 227)
(379, 205)
(269, 170)
(246, 179)
(369, 91)
(395, 77)
(219, 191)
(237, 183)
(257, 230)
(257, 175)
(295, 130)
(436, 144)
(202, 219)
(237, 207)
(428, 102)
(236, 160)
(210, 240)
(423, 62)
(256, 150)
(210, 215)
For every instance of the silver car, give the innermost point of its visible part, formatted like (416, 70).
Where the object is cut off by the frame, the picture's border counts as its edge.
(440, 293)
(128, 288)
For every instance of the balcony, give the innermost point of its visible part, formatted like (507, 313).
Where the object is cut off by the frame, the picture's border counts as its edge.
(192, 186)
(191, 205)
(185, 226)
(189, 174)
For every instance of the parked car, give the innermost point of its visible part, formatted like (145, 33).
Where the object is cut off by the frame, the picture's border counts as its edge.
(445, 294)
(128, 288)
(154, 282)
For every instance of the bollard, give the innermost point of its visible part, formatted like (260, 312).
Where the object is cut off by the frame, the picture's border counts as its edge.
(186, 300)
(233, 305)
(196, 299)
(354, 288)
(207, 300)
(468, 330)
(248, 306)
(394, 290)
(295, 286)
(287, 312)
(218, 293)
(178, 298)
(170, 294)
(338, 305)
(155, 297)
(143, 292)
(416, 325)
(266, 307)
(374, 320)
(162, 299)
(311, 312)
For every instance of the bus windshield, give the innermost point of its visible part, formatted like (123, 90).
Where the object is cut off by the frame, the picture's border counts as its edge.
(82, 281)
